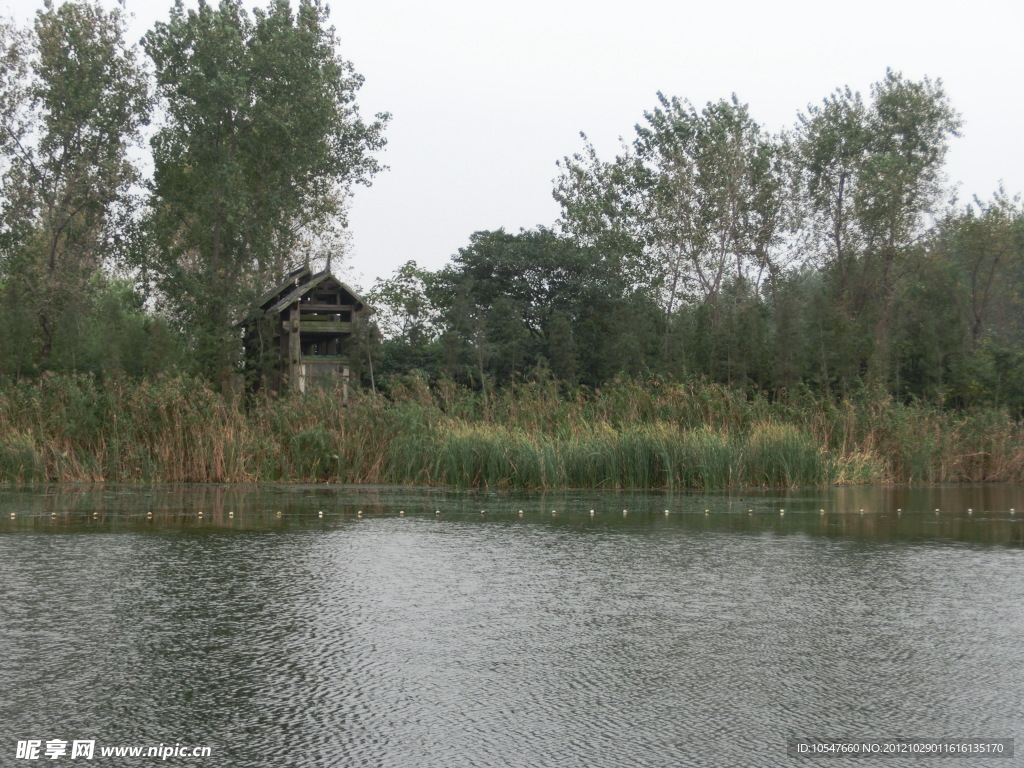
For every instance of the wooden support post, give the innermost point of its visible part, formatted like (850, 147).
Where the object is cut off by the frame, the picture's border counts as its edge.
(294, 351)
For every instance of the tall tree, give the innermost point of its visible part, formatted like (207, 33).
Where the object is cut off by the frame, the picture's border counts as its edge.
(872, 176)
(986, 242)
(512, 302)
(599, 213)
(73, 97)
(710, 184)
(261, 143)
(402, 308)
(407, 320)
(698, 196)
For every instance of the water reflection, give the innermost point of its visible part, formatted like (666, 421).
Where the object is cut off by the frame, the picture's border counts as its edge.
(988, 514)
(470, 639)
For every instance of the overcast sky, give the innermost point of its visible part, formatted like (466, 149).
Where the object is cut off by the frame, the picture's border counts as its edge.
(486, 97)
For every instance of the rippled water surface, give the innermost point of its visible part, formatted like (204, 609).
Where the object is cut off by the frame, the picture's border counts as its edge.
(320, 627)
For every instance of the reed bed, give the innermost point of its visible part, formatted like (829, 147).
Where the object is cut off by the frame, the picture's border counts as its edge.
(631, 434)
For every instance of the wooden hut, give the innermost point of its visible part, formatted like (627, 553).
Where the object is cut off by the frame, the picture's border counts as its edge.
(301, 332)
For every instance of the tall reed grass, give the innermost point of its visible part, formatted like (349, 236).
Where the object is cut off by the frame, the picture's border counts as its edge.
(631, 434)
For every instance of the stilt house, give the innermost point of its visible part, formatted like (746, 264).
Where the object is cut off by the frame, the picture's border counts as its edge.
(301, 331)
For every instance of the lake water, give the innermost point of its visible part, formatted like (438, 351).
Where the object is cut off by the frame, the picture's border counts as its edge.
(281, 627)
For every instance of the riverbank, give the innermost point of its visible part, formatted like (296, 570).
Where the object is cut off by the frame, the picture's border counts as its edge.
(628, 435)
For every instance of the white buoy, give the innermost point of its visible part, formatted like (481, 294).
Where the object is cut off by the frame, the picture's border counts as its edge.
(279, 513)
(320, 513)
(12, 515)
(149, 515)
(862, 511)
(95, 515)
(483, 511)
(821, 511)
(520, 513)
(231, 514)
(1013, 511)
(625, 512)
(437, 511)
(554, 512)
(782, 512)
(970, 511)
(359, 513)
(898, 510)
(591, 513)
(53, 514)
(200, 514)
(401, 513)
(666, 512)
(707, 512)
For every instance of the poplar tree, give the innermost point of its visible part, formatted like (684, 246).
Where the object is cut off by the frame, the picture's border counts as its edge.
(261, 142)
(695, 201)
(871, 179)
(73, 97)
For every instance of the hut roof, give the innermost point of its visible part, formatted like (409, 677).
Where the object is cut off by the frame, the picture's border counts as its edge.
(292, 279)
(297, 284)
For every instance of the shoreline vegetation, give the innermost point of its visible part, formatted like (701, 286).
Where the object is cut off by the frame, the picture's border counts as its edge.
(630, 434)
(716, 305)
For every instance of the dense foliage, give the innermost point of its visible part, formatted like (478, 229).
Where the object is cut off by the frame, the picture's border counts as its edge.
(815, 290)
(260, 141)
(825, 258)
(256, 145)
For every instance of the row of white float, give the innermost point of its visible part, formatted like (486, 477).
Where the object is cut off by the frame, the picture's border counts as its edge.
(554, 512)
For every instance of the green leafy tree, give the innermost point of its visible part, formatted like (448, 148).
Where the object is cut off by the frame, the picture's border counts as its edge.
(408, 321)
(261, 143)
(829, 146)
(599, 213)
(710, 186)
(698, 193)
(73, 97)
(871, 177)
(695, 207)
(402, 307)
(986, 241)
(982, 247)
(512, 302)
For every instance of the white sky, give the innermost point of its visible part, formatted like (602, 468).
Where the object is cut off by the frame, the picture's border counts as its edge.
(486, 97)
